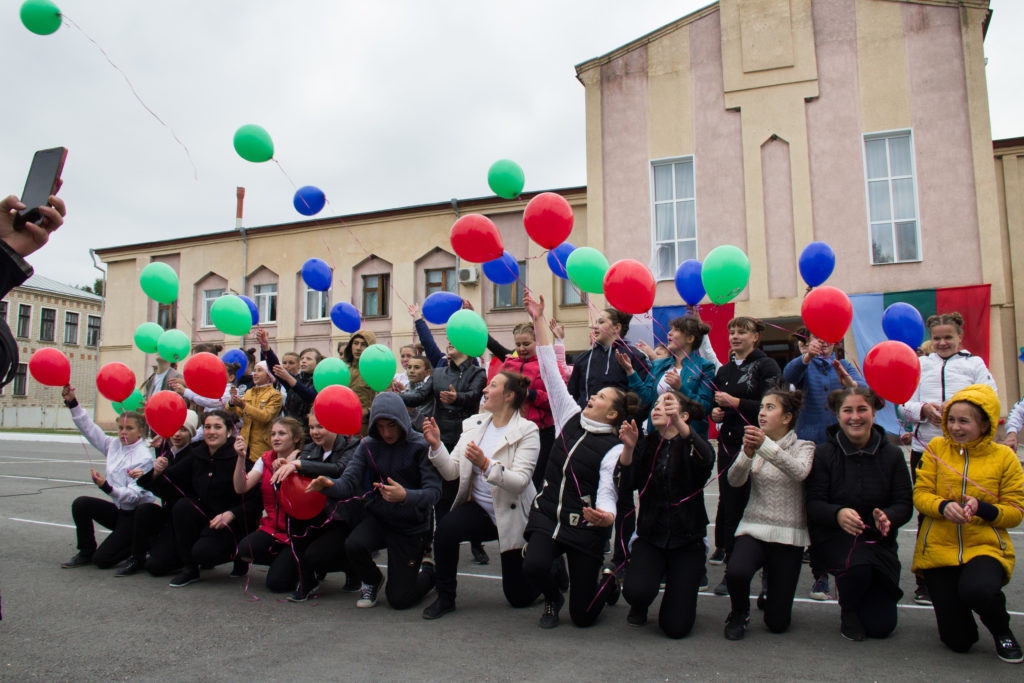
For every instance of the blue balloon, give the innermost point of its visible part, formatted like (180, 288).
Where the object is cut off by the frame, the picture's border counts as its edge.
(253, 309)
(309, 200)
(502, 271)
(345, 317)
(317, 274)
(902, 322)
(440, 306)
(688, 282)
(237, 356)
(817, 261)
(557, 258)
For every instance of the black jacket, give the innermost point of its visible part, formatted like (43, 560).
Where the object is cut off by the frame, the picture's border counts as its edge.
(300, 397)
(13, 271)
(313, 465)
(747, 382)
(595, 369)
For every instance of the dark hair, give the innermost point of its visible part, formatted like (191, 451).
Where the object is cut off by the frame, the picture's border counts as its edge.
(137, 418)
(688, 405)
(693, 326)
(626, 406)
(251, 353)
(224, 416)
(791, 401)
(839, 396)
(619, 318)
(290, 353)
(746, 323)
(341, 346)
(954, 319)
(232, 369)
(518, 385)
(979, 412)
(426, 361)
(295, 427)
(802, 335)
(207, 347)
(316, 353)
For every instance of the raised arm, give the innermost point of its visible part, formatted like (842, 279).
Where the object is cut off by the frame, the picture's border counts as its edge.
(563, 407)
(430, 349)
(89, 429)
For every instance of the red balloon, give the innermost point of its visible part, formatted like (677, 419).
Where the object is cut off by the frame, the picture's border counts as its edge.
(892, 370)
(116, 381)
(629, 286)
(548, 219)
(476, 239)
(827, 312)
(338, 409)
(50, 367)
(165, 413)
(296, 502)
(205, 374)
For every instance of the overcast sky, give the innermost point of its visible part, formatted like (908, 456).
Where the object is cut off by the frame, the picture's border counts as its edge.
(381, 104)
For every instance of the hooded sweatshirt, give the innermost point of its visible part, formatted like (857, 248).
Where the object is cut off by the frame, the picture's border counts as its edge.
(981, 468)
(356, 381)
(405, 461)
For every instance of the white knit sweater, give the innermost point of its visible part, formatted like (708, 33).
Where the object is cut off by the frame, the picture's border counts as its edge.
(776, 512)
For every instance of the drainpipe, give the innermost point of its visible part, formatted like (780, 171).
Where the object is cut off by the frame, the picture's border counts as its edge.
(103, 310)
(240, 198)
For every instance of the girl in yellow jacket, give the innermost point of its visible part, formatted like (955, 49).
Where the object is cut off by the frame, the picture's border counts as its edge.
(258, 409)
(970, 490)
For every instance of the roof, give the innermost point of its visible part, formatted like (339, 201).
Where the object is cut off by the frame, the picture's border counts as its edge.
(45, 284)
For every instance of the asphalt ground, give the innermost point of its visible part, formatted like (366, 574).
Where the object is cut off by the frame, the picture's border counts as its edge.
(85, 624)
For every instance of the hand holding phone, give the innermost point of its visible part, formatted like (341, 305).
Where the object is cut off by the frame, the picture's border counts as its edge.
(17, 229)
(42, 182)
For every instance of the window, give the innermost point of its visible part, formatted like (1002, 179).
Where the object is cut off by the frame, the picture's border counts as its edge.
(70, 327)
(24, 320)
(440, 280)
(92, 332)
(318, 305)
(571, 295)
(265, 297)
(47, 324)
(675, 216)
(167, 315)
(510, 295)
(3, 310)
(375, 295)
(21, 380)
(892, 198)
(209, 296)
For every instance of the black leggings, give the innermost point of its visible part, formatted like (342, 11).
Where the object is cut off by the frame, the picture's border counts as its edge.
(406, 584)
(320, 547)
(547, 440)
(197, 543)
(957, 592)
(782, 564)
(732, 501)
(116, 547)
(865, 591)
(586, 596)
(625, 524)
(469, 522)
(260, 547)
(682, 569)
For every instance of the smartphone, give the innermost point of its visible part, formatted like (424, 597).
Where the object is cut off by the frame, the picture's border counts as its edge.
(43, 181)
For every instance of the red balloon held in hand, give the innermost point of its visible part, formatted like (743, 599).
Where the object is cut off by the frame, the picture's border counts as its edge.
(548, 219)
(475, 238)
(165, 413)
(115, 381)
(296, 502)
(892, 370)
(50, 367)
(205, 374)
(629, 286)
(338, 409)
(827, 312)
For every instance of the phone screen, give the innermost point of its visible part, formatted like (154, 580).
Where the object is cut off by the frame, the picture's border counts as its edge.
(47, 165)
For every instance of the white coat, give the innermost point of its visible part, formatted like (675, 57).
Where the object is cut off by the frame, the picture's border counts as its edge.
(940, 379)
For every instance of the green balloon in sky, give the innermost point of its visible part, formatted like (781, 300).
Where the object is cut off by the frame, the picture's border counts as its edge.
(506, 178)
(42, 17)
(377, 366)
(331, 371)
(159, 282)
(173, 345)
(725, 272)
(231, 315)
(467, 332)
(147, 337)
(586, 267)
(253, 143)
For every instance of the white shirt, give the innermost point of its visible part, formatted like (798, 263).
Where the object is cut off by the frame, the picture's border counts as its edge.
(489, 443)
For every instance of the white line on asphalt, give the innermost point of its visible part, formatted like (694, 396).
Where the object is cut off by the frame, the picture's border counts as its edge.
(25, 458)
(66, 481)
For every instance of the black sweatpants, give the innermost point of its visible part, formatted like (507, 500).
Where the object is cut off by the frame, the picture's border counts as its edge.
(547, 440)
(959, 591)
(470, 522)
(585, 600)
(86, 510)
(320, 547)
(865, 591)
(782, 564)
(262, 548)
(406, 584)
(197, 543)
(682, 569)
(625, 525)
(732, 501)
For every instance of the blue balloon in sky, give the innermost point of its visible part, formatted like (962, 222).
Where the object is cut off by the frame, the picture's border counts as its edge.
(237, 356)
(557, 258)
(253, 309)
(440, 306)
(902, 322)
(317, 274)
(309, 200)
(817, 261)
(345, 317)
(502, 271)
(688, 282)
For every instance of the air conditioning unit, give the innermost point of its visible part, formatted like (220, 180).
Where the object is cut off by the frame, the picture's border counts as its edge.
(468, 275)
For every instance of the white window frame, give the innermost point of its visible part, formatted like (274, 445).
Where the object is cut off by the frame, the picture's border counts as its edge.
(263, 302)
(209, 296)
(886, 135)
(518, 289)
(325, 305)
(99, 336)
(78, 327)
(671, 161)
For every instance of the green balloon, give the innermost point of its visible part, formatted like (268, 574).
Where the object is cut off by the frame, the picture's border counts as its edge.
(42, 17)
(173, 345)
(724, 273)
(231, 315)
(330, 371)
(506, 178)
(253, 143)
(377, 365)
(467, 332)
(147, 337)
(133, 402)
(118, 407)
(159, 282)
(586, 267)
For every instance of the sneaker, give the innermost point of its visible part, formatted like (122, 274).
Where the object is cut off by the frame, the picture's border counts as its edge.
(722, 589)
(806, 557)
(850, 626)
(132, 567)
(549, 618)
(819, 591)
(736, 626)
(479, 554)
(352, 583)
(637, 616)
(369, 594)
(185, 578)
(717, 557)
(239, 569)
(301, 596)
(1008, 649)
(611, 586)
(79, 560)
(704, 583)
(921, 595)
(440, 607)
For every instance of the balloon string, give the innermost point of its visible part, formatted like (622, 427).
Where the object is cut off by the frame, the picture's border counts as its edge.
(67, 20)
(281, 168)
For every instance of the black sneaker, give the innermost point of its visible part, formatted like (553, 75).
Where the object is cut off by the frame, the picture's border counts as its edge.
(369, 594)
(637, 616)
(479, 554)
(79, 560)
(921, 595)
(1008, 649)
(440, 607)
(762, 600)
(704, 583)
(301, 596)
(352, 583)
(611, 586)
(549, 618)
(239, 569)
(717, 557)
(850, 626)
(806, 557)
(132, 567)
(736, 626)
(185, 578)
(722, 588)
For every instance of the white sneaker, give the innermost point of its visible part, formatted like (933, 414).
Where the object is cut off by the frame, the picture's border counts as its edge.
(368, 594)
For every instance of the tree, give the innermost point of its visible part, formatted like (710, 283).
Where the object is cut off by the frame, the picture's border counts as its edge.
(96, 288)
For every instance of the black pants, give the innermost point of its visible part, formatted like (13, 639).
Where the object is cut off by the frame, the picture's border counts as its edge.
(163, 549)
(469, 522)
(116, 547)
(149, 521)
(406, 583)
(732, 501)
(320, 548)
(197, 543)
(585, 600)
(864, 591)
(547, 440)
(625, 525)
(958, 591)
(782, 564)
(262, 548)
(682, 569)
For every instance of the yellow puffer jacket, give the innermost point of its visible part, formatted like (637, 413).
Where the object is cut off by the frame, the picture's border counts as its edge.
(262, 406)
(982, 468)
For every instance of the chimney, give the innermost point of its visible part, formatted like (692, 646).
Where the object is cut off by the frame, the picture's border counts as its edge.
(240, 195)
